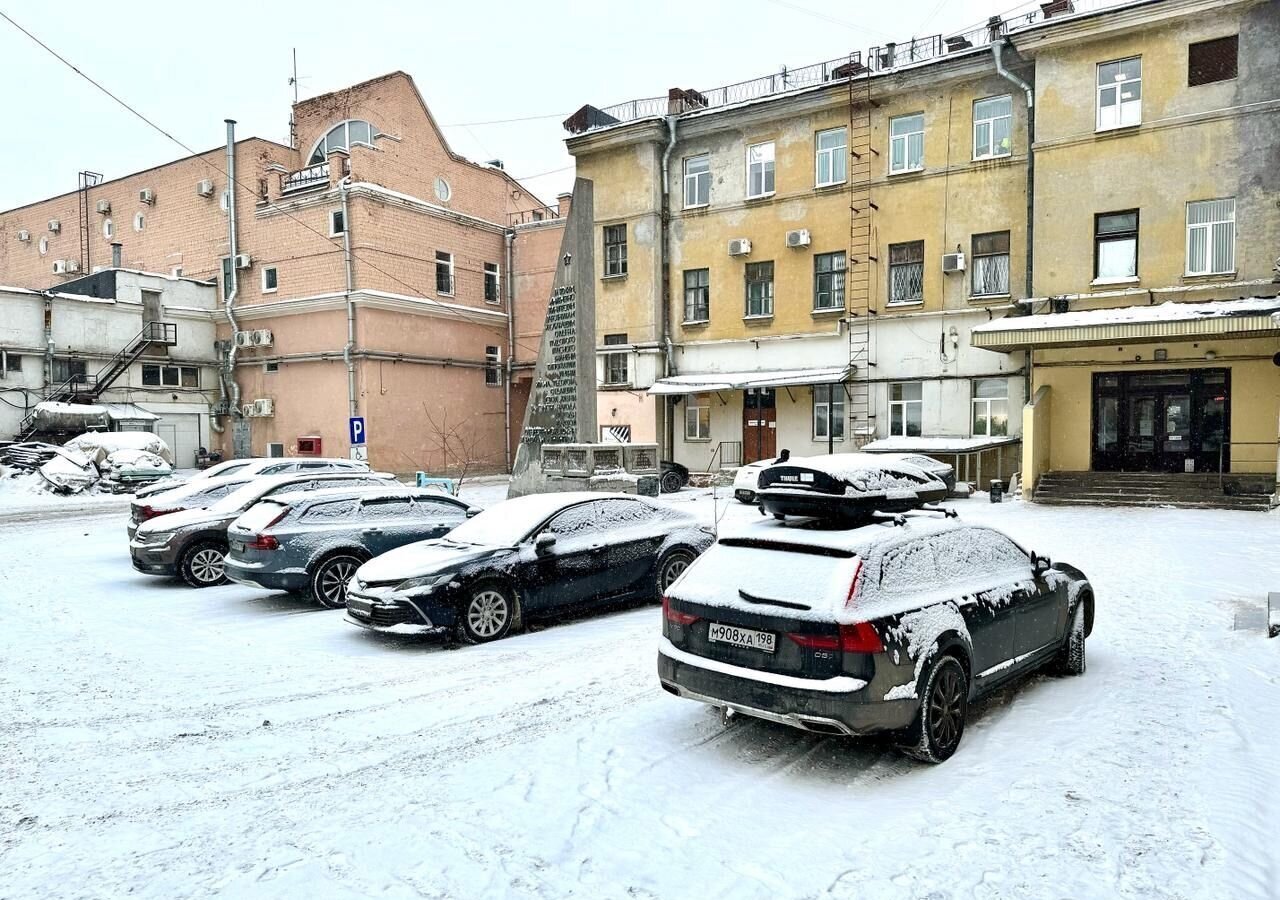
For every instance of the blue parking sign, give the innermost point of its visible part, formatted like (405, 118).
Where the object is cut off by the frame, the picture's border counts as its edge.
(356, 426)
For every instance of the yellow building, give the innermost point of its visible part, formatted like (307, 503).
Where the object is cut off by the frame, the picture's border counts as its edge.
(826, 257)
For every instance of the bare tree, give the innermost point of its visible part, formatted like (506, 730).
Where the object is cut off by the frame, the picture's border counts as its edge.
(458, 444)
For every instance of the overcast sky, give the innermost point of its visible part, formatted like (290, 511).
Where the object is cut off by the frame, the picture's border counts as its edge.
(473, 61)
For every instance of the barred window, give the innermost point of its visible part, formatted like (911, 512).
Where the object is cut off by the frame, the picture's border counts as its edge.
(828, 281)
(991, 263)
(697, 295)
(1215, 60)
(492, 366)
(906, 272)
(615, 250)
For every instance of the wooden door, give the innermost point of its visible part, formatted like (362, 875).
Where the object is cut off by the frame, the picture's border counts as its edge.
(759, 424)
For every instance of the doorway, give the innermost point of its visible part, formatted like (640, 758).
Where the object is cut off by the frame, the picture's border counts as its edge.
(1173, 421)
(759, 424)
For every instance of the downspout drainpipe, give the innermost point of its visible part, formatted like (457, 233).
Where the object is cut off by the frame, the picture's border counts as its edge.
(344, 186)
(509, 290)
(668, 349)
(997, 50)
(233, 286)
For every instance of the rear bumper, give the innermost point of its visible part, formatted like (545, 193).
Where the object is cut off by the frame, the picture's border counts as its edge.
(250, 576)
(826, 711)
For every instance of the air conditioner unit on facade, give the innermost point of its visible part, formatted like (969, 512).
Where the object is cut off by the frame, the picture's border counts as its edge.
(952, 262)
(264, 407)
(739, 247)
(247, 410)
(204, 188)
(146, 195)
(55, 225)
(262, 337)
(65, 266)
(799, 238)
(24, 236)
(244, 338)
(243, 261)
(104, 206)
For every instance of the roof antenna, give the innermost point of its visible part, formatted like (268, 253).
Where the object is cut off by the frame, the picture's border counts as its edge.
(293, 83)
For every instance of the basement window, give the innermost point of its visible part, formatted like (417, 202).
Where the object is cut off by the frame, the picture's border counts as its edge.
(1212, 61)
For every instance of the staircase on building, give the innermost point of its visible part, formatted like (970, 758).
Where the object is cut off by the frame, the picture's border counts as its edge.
(1184, 491)
(88, 388)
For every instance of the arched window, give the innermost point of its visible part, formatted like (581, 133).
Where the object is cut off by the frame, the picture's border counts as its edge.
(341, 137)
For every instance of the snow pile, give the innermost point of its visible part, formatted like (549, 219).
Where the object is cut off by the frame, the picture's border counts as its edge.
(134, 459)
(69, 472)
(98, 445)
(1169, 311)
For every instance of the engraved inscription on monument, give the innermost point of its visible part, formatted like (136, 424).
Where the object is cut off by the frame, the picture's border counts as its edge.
(555, 396)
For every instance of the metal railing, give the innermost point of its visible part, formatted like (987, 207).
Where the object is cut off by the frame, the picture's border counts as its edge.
(727, 455)
(529, 216)
(891, 55)
(305, 179)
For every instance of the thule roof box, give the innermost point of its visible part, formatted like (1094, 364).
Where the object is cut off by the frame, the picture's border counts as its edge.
(845, 487)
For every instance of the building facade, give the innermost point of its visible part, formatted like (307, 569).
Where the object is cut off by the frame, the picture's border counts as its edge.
(56, 337)
(803, 261)
(367, 270)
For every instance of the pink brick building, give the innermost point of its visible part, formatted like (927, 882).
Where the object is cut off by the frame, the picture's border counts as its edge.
(397, 280)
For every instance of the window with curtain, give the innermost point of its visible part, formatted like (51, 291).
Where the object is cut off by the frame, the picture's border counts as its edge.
(990, 270)
(906, 143)
(1211, 237)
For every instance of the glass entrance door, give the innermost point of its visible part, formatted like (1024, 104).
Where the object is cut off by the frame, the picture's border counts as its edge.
(1160, 421)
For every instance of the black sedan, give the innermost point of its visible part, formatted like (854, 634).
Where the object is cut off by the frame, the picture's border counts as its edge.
(527, 558)
(872, 629)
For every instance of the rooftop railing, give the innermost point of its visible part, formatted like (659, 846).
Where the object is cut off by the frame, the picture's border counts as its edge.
(305, 179)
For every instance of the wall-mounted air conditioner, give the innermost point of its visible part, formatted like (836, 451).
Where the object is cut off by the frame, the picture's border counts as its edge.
(24, 235)
(739, 247)
(65, 266)
(244, 338)
(799, 238)
(264, 407)
(952, 262)
(104, 206)
(243, 261)
(55, 225)
(147, 196)
(204, 188)
(262, 337)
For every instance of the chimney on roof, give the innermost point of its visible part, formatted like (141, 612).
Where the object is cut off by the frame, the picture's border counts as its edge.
(495, 164)
(1053, 8)
(116, 247)
(680, 100)
(564, 201)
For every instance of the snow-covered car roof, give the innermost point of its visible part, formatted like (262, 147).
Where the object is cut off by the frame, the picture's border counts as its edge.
(506, 523)
(861, 541)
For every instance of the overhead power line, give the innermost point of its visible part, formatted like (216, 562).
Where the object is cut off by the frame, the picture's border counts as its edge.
(505, 121)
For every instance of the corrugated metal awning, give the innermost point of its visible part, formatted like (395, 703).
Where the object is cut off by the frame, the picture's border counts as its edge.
(1131, 325)
(737, 381)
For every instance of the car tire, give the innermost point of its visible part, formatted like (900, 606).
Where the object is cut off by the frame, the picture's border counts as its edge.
(488, 613)
(935, 735)
(328, 585)
(671, 567)
(1071, 658)
(671, 482)
(203, 564)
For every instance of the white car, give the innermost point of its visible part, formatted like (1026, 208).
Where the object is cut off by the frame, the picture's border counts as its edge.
(744, 482)
(263, 465)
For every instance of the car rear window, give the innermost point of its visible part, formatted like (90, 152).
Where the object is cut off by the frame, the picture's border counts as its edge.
(261, 514)
(804, 582)
(331, 511)
(215, 493)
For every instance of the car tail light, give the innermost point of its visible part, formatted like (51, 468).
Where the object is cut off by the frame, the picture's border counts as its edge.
(150, 512)
(860, 638)
(817, 641)
(675, 616)
(262, 542)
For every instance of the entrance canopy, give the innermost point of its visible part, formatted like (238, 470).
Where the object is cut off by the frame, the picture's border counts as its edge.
(128, 412)
(1251, 317)
(738, 381)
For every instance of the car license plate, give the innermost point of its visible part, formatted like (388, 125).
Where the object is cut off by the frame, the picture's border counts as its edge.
(742, 637)
(237, 546)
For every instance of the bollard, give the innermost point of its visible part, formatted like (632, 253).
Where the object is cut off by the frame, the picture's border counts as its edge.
(997, 490)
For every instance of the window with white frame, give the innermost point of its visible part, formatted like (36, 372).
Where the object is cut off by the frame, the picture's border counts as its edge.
(990, 407)
(906, 409)
(1115, 245)
(990, 264)
(444, 272)
(906, 143)
(1211, 237)
(828, 281)
(993, 127)
(759, 289)
(615, 250)
(697, 181)
(697, 417)
(270, 279)
(341, 137)
(491, 283)
(697, 296)
(760, 170)
(615, 364)
(906, 272)
(1120, 93)
(171, 376)
(828, 412)
(831, 148)
(492, 366)
(337, 223)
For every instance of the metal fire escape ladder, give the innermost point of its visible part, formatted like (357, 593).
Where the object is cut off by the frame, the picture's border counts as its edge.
(861, 268)
(88, 388)
(87, 180)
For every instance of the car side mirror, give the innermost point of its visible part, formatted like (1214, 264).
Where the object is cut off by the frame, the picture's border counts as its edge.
(544, 542)
(472, 513)
(1040, 564)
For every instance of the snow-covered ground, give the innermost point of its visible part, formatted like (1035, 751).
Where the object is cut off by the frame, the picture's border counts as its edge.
(163, 742)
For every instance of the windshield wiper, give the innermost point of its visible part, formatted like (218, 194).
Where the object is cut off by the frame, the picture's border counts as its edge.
(787, 604)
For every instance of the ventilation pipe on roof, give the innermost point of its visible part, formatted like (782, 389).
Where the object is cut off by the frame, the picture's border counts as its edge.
(670, 434)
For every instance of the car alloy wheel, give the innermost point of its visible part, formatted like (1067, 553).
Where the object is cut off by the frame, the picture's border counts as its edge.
(330, 582)
(671, 482)
(204, 565)
(672, 568)
(488, 615)
(946, 707)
